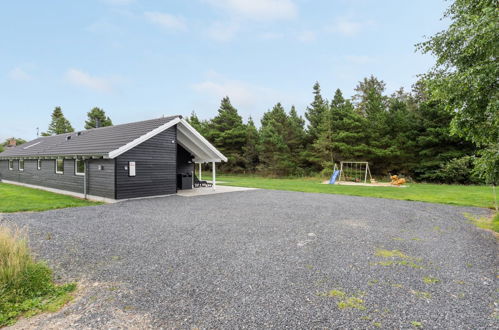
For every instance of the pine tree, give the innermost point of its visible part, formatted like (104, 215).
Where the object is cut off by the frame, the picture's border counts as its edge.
(349, 138)
(369, 99)
(315, 112)
(250, 151)
(323, 145)
(228, 133)
(274, 152)
(296, 140)
(59, 124)
(435, 145)
(200, 126)
(342, 137)
(401, 131)
(97, 118)
(372, 104)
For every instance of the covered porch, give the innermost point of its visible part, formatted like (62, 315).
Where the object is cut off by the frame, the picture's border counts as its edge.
(203, 152)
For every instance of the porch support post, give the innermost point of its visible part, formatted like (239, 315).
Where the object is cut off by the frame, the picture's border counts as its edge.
(200, 177)
(214, 176)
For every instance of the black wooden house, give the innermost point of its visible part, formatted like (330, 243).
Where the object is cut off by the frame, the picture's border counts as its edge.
(140, 159)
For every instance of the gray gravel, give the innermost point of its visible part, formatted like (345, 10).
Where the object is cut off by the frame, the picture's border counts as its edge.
(261, 259)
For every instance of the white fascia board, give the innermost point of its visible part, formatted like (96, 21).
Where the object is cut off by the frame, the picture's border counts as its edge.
(115, 153)
(192, 144)
(200, 137)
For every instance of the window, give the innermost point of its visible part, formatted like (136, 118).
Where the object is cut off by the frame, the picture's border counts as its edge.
(59, 165)
(11, 164)
(21, 164)
(39, 164)
(79, 167)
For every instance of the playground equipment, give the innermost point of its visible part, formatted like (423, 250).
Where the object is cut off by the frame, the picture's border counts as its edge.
(396, 181)
(351, 172)
(336, 173)
(355, 172)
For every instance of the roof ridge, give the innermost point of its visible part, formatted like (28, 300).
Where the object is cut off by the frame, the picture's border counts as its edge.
(132, 122)
(58, 144)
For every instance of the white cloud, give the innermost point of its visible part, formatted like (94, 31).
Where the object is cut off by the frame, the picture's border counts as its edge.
(359, 59)
(307, 36)
(241, 93)
(258, 9)
(223, 31)
(100, 84)
(19, 74)
(167, 21)
(349, 27)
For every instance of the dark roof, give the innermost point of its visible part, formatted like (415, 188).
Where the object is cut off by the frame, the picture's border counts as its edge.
(93, 142)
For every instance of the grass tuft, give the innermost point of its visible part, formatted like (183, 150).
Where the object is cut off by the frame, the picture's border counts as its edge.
(26, 286)
(430, 280)
(351, 302)
(416, 324)
(390, 254)
(397, 258)
(346, 301)
(336, 293)
(490, 223)
(421, 294)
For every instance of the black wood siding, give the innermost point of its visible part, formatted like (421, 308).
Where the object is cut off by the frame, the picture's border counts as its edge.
(155, 161)
(183, 158)
(46, 176)
(99, 182)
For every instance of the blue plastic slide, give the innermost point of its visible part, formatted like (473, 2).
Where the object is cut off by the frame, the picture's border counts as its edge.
(334, 177)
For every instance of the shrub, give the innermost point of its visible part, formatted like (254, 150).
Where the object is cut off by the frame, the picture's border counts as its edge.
(457, 170)
(26, 286)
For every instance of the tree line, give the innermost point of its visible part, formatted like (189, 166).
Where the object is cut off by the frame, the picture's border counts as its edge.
(403, 133)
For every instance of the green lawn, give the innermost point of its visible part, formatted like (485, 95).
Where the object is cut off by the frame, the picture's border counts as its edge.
(16, 199)
(480, 196)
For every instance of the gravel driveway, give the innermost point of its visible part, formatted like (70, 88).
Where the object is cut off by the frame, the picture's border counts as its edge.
(262, 258)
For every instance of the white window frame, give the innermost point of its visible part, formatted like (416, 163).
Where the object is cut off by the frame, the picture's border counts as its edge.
(19, 165)
(76, 167)
(11, 164)
(39, 164)
(56, 171)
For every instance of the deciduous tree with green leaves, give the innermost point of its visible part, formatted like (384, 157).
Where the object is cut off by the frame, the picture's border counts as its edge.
(465, 76)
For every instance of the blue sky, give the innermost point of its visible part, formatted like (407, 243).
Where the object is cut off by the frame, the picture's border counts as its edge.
(141, 59)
